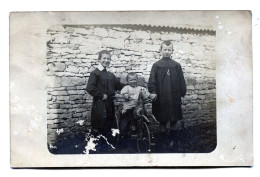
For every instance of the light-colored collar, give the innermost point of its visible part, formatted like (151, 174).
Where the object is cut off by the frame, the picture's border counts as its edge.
(100, 67)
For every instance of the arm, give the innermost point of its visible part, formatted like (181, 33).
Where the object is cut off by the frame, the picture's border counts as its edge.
(92, 86)
(125, 92)
(152, 82)
(182, 82)
(118, 84)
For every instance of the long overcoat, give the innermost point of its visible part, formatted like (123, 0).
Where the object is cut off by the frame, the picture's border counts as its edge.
(167, 81)
(102, 111)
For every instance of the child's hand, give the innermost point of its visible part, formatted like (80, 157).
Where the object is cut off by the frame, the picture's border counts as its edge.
(153, 96)
(126, 96)
(104, 97)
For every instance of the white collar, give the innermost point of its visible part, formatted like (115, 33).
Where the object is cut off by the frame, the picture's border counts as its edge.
(100, 67)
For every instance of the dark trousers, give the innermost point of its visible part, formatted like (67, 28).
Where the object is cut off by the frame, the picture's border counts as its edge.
(126, 120)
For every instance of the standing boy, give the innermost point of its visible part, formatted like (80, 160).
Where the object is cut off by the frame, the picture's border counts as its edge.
(102, 85)
(167, 85)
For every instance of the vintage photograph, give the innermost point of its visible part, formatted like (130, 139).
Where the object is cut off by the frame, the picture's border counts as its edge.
(131, 89)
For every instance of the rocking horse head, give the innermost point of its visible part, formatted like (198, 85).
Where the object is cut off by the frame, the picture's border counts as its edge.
(139, 108)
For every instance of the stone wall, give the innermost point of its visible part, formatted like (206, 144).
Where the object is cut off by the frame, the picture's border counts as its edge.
(72, 55)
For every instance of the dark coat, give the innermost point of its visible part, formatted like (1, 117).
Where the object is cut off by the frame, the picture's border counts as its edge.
(102, 112)
(167, 81)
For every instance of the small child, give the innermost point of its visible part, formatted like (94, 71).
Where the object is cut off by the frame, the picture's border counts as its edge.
(131, 93)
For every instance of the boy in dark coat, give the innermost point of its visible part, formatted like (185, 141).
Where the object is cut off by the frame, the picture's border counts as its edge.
(102, 85)
(167, 85)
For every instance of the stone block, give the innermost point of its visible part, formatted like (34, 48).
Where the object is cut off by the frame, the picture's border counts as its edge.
(171, 36)
(77, 115)
(83, 31)
(185, 48)
(92, 57)
(82, 87)
(136, 47)
(52, 116)
(53, 98)
(76, 60)
(193, 40)
(65, 106)
(65, 115)
(140, 35)
(57, 111)
(211, 86)
(100, 32)
(60, 38)
(81, 92)
(191, 81)
(201, 97)
(56, 66)
(113, 43)
(199, 86)
(85, 114)
(78, 41)
(70, 122)
(155, 36)
(72, 69)
(148, 55)
(61, 92)
(83, 70)
(152, 48)
(114, 58)
(53, 106)
(81, 110)
(75, 97)
(190, 87)
(72, 81)
(118, 34)
(89, 49)
(81, 55)
(62, 98)
(49, 98)
(130, 53)
(72, 92)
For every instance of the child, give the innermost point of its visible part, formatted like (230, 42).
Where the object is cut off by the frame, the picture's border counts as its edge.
(130, 93)
(102, 85)
(167, 85)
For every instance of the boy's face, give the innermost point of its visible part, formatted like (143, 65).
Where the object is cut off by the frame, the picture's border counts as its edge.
(166, 51)
(105, 60)
(132, 81)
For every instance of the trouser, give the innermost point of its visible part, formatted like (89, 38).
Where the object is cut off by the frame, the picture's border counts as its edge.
(166, 127)
(126, 120)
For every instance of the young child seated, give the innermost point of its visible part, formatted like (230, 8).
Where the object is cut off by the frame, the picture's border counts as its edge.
(131, 93)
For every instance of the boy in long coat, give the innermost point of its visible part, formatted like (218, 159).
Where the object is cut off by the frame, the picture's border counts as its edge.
(102, 85)
(167, 85)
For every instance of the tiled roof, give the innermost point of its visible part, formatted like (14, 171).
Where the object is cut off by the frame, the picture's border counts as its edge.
(175, 28)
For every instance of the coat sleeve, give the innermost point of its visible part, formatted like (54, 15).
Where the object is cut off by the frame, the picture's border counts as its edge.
(182, 82)
(124, 91)
(118, 84)
(92, 86)
(152, 82)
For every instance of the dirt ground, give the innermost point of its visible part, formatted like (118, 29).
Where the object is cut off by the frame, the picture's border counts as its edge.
(196, 139)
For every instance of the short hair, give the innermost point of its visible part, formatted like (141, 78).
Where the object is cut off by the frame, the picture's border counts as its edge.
(103, 52)
(167, 43)
(131, 74)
